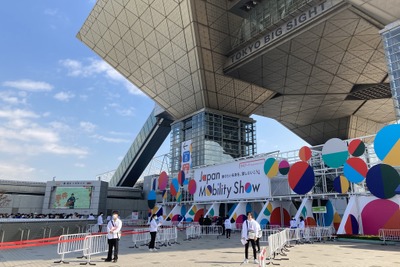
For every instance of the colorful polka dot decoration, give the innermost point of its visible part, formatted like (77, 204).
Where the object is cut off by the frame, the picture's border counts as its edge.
(382, 180)
(351, 226)
(276, 219)
(163, 181)
(334, 153)
(181, 177)
(305, 153)
(356, 148)
(380, 213)
(192, 187)
(387, 144)
(178, 196)
(284, 167)
(355, 170)
(164, 194)
(174, 187)
(336, 221)
(271, 167)
(151, 199)
(341, 184)
(268, 209)
(301, 177)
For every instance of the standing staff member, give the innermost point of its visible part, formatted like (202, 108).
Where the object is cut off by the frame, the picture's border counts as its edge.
(153, 231)
(100, 221)
(113, 234)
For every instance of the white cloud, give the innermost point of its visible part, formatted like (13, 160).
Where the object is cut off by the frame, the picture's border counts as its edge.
(10, 98)
(120, 110)
(10, 170)
(76, 68)
(51, 12)
(79, 165)
(110, 139)
(29, 85)
(64, 96)
(21, 135)
(87, 126)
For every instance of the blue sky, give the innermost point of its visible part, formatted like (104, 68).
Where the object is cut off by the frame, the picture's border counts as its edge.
(63, 111)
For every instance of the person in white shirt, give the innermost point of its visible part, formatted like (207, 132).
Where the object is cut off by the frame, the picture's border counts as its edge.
(293, 223)
(100, 221)
(91, 217)
(249, 234)
(228, 227)
(113, 235)
(154, 224)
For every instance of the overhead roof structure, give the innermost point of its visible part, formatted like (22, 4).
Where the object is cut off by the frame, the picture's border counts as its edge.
(326, 78)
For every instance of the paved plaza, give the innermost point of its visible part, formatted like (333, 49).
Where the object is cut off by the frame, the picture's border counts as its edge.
(210, 251)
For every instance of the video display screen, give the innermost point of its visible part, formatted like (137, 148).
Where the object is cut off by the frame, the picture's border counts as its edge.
(72, 197)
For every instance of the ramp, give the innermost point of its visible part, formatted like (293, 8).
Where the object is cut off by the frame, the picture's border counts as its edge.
(146, 144)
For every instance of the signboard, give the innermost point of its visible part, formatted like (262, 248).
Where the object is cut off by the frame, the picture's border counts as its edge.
(319, 209)
(279, 32)
(236, 180)
(186, 157)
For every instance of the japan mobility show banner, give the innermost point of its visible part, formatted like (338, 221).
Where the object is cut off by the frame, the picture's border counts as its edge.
(236, 180)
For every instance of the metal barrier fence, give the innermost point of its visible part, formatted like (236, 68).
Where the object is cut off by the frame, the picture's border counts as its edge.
(389, 235)
(70, 243)
(167, 236)
(266, 233)
(140, 238)
(193, 232)
(211, 230)
(279, 242)
(94, 244)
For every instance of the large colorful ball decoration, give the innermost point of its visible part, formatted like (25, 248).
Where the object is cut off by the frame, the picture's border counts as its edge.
(341, 184)
(163, 181)
(301, 177)
(174, 187)
(382, 181)
(334, 153)
(151, 199)
(271, 167)
(380, 213)
(387, 144)
(181, 177)
(192, 187)
(356, 148)
(351, 226)
(305, 153)
(355, 170)
(284, 167)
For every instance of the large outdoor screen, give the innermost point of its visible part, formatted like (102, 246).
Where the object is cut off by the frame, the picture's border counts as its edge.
(72, 197)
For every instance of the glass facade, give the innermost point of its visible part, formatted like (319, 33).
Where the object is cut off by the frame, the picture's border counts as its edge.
(391, 43)
(265, 14)
(215, 138)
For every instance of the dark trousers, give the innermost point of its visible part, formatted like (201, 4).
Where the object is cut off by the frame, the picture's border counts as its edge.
(246, 249)
(113, 243)
(258, 244)
(153, 239)
(223, 229)
(228, 233)
(100, 226)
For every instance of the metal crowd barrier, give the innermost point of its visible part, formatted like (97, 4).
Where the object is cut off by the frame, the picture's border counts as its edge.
(70, 243)
(211, 230)
(140, 238)
(193, 232)
(167, 236)
(389, 235)
(266, 233)
(94, 244)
